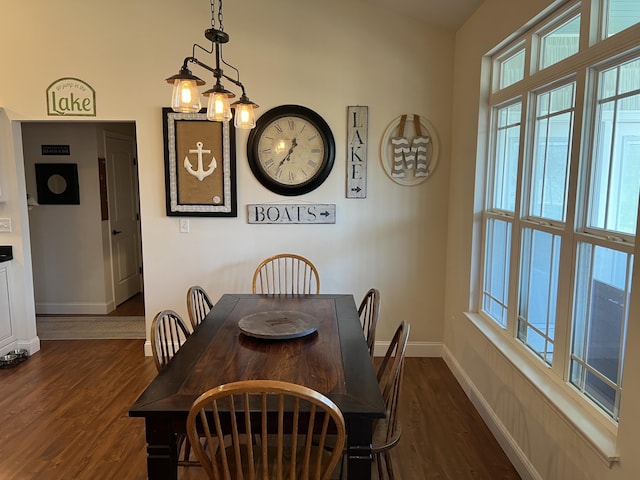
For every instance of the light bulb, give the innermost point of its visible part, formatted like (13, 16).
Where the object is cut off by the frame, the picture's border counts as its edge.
(185, 97)
(218, 108)
(244, 116)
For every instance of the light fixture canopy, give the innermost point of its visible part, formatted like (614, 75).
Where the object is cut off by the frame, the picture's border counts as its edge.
(186, 98)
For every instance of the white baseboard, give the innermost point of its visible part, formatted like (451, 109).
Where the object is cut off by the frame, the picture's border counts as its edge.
(147, 349)
(74, 308)
(32, 345)
(517, 457)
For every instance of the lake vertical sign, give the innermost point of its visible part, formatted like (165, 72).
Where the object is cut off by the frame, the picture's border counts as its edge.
(357, 125)
(71, 97)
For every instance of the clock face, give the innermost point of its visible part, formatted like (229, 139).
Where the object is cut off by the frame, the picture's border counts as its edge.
(291, 150)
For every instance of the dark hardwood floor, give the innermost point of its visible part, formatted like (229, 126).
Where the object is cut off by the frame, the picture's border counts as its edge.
(64, 416)
(131, 308)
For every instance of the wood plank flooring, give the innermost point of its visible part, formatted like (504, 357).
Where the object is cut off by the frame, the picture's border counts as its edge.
(132, 307)
(64, 416)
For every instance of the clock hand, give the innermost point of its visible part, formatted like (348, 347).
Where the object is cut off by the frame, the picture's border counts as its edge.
(294, 144)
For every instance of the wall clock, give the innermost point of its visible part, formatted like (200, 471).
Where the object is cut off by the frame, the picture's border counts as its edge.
(291, 150)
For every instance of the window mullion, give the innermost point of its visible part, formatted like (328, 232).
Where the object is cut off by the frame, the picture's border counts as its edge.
(516, 243)
(567, 256)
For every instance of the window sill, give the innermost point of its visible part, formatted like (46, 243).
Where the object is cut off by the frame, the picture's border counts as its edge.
(597, 430)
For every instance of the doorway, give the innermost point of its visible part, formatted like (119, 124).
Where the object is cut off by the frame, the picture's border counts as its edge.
(87, 256)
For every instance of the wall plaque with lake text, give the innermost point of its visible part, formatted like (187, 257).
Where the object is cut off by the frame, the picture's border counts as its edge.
(71, 97)
(357, 138)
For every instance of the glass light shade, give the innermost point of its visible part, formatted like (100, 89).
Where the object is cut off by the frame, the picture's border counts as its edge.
(244, 117)
(185, 97)
(218, 108)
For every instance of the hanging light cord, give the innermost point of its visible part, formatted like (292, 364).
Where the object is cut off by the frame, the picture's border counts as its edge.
(221, 28)
(217, 37)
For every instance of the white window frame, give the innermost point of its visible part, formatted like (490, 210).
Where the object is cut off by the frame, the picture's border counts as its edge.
(593, 53)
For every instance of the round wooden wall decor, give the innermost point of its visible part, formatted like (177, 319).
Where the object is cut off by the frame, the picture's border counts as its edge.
(409, 149)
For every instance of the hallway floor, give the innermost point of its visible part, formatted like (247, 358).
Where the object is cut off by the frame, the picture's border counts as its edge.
(131, 308)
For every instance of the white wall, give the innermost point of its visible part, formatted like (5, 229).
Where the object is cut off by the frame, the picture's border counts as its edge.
(542, 442)
(14, 207)
(70, 244)
(66, 240)
(324, 55)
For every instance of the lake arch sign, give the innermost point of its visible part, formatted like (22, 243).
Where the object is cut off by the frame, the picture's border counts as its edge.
(71, 97)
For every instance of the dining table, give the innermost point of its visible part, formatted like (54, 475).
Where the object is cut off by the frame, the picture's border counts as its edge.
(330, 357)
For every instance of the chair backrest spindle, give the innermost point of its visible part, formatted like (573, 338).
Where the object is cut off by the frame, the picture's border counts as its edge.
(286, 273)
(368, 312)
(292, 423)
(387, 432)
(168, 333)
(198, 305)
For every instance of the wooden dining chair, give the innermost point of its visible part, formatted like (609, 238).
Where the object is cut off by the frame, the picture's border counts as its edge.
(386, 434)
(286, 273)
(198, 305)
(168, 333)
(368, 313)
(280, 418)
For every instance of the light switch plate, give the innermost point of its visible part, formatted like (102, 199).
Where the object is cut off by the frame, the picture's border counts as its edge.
(184, 225)
(5, 225)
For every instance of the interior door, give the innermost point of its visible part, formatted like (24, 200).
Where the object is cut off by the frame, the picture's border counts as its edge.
(122, 187)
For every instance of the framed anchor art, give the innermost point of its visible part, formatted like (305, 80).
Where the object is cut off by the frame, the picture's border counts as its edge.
(200, 165)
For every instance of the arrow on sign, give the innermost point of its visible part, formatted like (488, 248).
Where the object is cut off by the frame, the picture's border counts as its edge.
(325, 213)
(357, 189)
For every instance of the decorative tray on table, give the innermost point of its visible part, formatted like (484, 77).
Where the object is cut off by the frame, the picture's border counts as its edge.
(278, 324)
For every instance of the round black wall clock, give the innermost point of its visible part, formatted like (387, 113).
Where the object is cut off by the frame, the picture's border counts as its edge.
(291, 150)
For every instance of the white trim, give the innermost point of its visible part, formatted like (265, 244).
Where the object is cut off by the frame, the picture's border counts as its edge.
(74, 308)
(31, 345)
(510, 447)
(590, 424)
(414, 349)
(148, 352)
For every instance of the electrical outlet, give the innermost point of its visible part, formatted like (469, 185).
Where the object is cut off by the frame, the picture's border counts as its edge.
(184, 225)
(5, 225)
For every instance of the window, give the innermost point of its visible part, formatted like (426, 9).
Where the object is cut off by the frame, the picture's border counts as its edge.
(620, 15)
(511, 68)
(561, 203)
(560, 43)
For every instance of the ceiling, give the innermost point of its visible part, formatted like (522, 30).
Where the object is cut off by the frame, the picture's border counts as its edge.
(450, 14)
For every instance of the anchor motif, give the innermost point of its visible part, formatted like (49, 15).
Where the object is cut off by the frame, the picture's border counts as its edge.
(200, 173)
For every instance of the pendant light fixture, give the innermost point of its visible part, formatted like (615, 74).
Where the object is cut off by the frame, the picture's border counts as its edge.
(186, 97)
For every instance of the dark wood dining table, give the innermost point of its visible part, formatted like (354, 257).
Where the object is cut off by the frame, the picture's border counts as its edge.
(333, 360)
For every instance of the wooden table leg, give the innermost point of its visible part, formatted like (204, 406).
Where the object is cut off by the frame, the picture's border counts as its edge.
(359, 449)
(162, 451)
